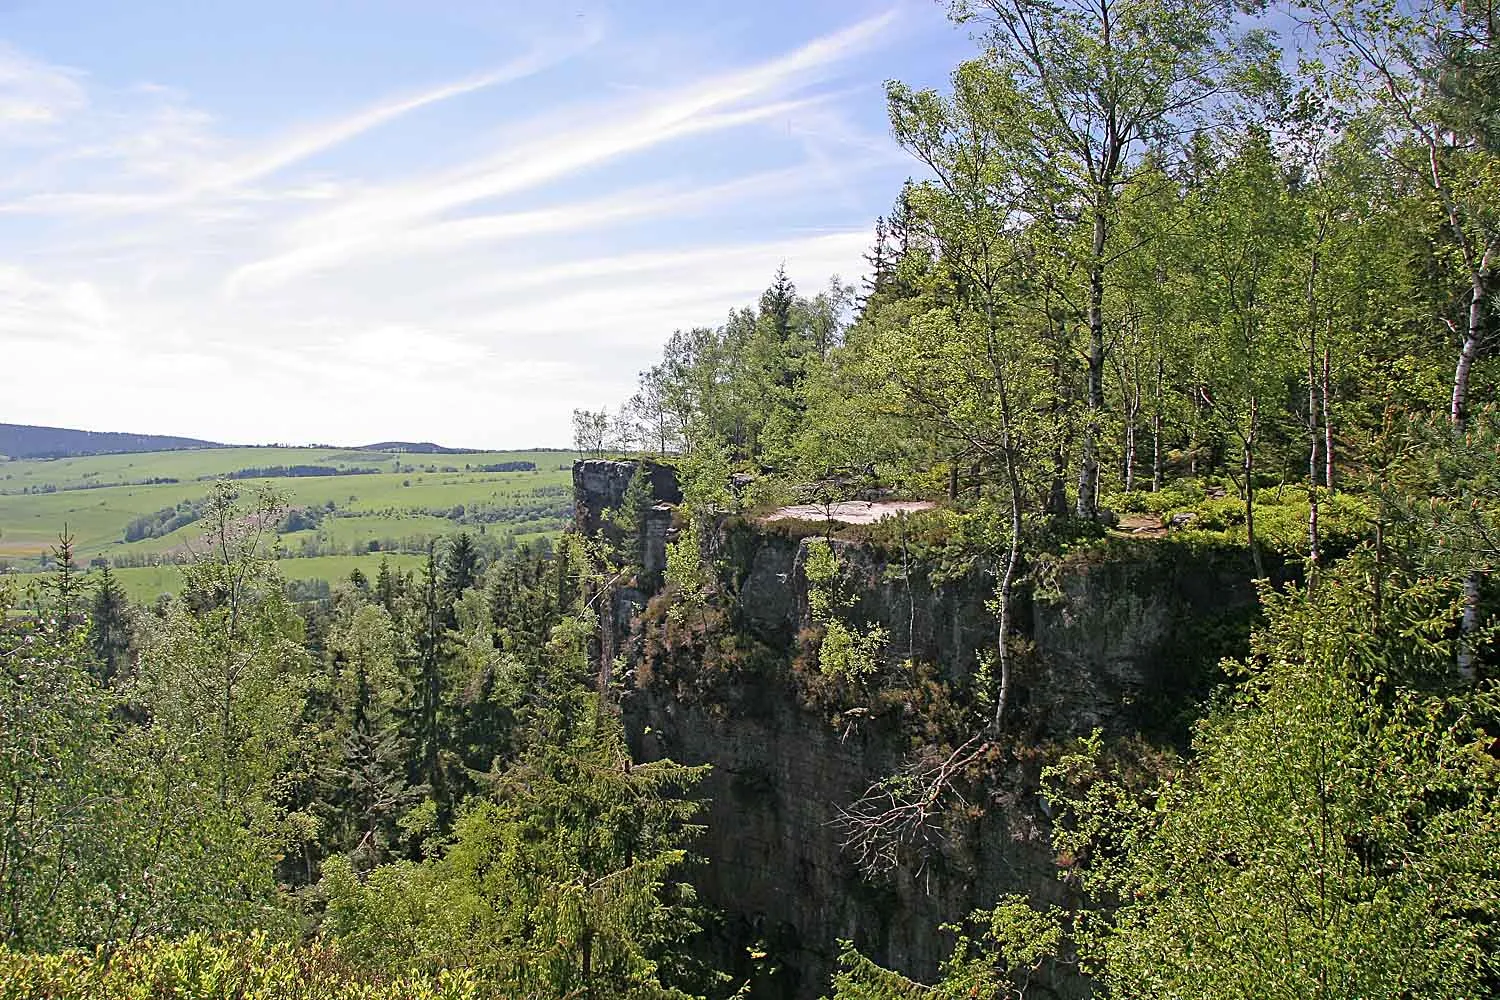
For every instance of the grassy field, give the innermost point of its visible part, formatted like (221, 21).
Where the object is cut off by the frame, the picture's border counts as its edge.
(186, 466)
(146, 583)
(411, 499)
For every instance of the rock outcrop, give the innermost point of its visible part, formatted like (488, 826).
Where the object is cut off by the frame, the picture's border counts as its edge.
(1125, 638)
(599, 485)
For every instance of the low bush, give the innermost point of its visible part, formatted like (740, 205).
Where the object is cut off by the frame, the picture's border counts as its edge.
(199, 967)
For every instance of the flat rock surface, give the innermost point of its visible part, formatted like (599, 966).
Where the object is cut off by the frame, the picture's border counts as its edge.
(1142, 524)
(849, 511)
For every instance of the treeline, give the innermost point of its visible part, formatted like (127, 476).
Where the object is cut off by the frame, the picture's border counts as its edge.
(1143, 270)
(490, 543)
(54, 488)
(738, 385)
(164, 521)
(23, 441)
(293, 472)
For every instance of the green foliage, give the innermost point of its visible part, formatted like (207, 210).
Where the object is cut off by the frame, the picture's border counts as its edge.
(1336, 824)
(687, 572)
(109, 626)
(1345, 519)
(629, 519)
(851, 655)
(996, 954)
(1444, 492)
(560, 881)
(198, 967)
(743, 387)
(223, 668)
(116, 832)
(843, 652)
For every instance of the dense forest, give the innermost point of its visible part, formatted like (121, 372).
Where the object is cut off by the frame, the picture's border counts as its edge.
(25, 441)
(1162, 271)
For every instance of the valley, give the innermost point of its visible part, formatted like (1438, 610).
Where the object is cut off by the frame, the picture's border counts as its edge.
(346, 508)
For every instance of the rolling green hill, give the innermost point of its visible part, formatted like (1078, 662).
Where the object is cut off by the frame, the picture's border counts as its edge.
(138, 510)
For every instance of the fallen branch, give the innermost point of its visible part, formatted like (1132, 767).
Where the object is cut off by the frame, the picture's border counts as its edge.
(905, 809)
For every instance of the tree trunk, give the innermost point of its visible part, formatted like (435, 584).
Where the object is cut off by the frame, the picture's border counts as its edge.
(1248, 467)
(1469, 622)
(1466, 355)
(1012, 560)
(1156, 426)
(1478, 287)
(1088, 474)
(1327, 423)
(1155, 452)
(1132, 416)
(1468, 625)
(1312, 446)
(1057, 494)
(1013, 482)
(226, 724)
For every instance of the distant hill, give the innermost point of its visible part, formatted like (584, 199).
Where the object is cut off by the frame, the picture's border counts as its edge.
(414, 448)
(27, 441)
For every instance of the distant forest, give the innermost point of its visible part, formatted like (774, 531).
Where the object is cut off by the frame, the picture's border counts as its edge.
(26, 441)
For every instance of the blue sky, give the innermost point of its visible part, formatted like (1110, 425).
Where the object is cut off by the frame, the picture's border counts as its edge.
(346, 222)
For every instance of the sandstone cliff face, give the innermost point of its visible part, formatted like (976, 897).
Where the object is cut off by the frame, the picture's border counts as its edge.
(774, 867)
(599, 485)
(1125, 639)
(1122, 639)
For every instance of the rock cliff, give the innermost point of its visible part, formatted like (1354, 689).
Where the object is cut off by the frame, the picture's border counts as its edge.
(1126, 639)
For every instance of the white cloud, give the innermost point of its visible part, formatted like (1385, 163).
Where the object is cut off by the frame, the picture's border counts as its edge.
(590, 138)
(248, 290)
(34, 94)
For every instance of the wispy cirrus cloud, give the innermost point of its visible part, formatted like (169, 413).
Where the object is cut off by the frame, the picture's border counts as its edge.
(34, 94)
(173, 129)
(584, 140)
(501, 245)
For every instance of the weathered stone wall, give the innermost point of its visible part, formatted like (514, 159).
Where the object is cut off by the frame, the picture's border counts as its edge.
(1130, 639)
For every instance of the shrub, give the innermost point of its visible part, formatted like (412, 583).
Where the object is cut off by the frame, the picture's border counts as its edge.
(199, 967)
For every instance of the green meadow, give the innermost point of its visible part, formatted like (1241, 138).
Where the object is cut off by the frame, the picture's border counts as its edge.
(146, 583)
(392, 503)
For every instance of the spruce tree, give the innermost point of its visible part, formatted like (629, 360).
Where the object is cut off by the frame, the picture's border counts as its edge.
(425, 723)
(109, 625)
(460, 566)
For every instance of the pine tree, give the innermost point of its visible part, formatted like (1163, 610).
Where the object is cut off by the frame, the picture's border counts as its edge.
(629, 519)
(62, 588)
(460, 566)
(109, 625)
(425, 723)
(388, 586)
(777, 302)
(879, 259)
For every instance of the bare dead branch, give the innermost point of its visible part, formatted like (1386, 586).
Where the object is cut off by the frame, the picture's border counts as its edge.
(904, 811)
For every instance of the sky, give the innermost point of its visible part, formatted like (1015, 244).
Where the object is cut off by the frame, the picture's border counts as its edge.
(420, 219)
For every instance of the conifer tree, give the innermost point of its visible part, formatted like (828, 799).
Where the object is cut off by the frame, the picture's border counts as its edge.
(425, 721)
(460, 566)
(109, 625)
